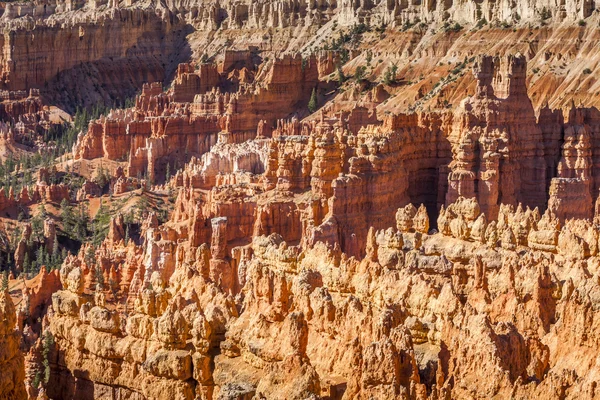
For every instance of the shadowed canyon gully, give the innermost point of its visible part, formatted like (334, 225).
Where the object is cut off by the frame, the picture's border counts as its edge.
(299, 200)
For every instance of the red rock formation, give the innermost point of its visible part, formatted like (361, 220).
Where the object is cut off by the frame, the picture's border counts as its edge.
(256, 261)
(12, 379)
(358, 252)
(62, 55)
(501, 162)
(185, 129)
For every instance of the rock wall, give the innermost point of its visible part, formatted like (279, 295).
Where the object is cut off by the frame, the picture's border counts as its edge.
(429, 255)
(52, 45)
(109, 54)
(12, 379)
(492, 147)
(162, 130)
(429, 237)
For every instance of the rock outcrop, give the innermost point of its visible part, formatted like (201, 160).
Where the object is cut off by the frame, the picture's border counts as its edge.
(301, 200)
(428, 255)
(12, 379)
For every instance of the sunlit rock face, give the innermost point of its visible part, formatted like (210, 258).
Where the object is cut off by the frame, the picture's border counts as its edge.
(429, 255)
(331, 229)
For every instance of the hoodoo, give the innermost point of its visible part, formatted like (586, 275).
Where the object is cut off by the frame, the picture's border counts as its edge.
(244, 200)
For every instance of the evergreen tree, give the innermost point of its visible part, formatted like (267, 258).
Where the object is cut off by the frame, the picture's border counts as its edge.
(359, 73)
(47, 345)
(42, 211)
(67, 217)
(90, 255)
(37, 229)
(141, 207)
(100, 225)
(46, 256)
(5, 281)
(390, 74)
(168, 173)
(56, 261)
(37, 380)
(40, 257)
(26, 264)
(340, 73)
(102, 178)
(313, 102)
(81, 223)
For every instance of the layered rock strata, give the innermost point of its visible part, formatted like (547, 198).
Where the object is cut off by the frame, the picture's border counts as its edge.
(423, 256)
(12, 379)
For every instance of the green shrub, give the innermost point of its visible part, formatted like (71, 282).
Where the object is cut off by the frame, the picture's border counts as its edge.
(313, 103)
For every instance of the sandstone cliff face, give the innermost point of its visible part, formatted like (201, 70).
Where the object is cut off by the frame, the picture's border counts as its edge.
(101, 51)
(428, 235)
(108, 54)
(164, 130)
(12, 379)
(432, 255)
(492, 147)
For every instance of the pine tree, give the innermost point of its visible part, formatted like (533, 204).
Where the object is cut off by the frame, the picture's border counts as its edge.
(67, 217)
(341, 76)
(40, 257)
(100, 225)
(168, 173)
(313, 102)
(359, 73)
(42, 211)
(90, 255)
(5, 281)
(390, 74)
(37, 229)
(47, 345)
(46, 256)
(26, 263)
(55, 252)
(81, 223)
(37, 380)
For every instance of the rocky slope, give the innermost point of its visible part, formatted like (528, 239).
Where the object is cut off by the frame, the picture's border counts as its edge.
(12, 382)
(295, 265)
(102, 52)
(349, 200)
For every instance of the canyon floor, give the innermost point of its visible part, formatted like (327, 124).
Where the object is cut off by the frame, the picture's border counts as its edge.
(277, 199)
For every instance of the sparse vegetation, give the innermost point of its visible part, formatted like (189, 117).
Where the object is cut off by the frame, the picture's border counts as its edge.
(313, 102)
(359, 73)
(340, 74)
(545, 14)
(450, 27)
(389, 76)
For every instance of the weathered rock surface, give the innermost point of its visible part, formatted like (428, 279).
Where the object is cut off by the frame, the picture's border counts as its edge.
(424, 256)
(432, 235)
(12, 378)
